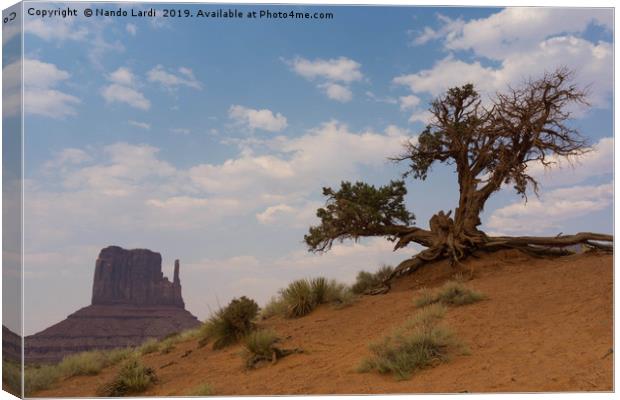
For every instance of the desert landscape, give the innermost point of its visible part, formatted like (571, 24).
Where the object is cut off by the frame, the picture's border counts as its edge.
(544, 325)
(427, 210)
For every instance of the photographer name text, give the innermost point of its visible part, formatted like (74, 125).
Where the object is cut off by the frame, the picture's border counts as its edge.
(220, 13)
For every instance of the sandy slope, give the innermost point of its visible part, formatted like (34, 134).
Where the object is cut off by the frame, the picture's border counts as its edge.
(546, 326)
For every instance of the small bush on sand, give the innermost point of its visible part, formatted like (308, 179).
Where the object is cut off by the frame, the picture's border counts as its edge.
(132, 378)
(167, 346)
(40, 378)
(451, 293)
(115, 356)
(275, 306)
(304, 295)
(85, 363)
(299, 298)
(148, 347)
(420, 343)
(231, 323)
(259, 346)
(367, 280)
(201, 390)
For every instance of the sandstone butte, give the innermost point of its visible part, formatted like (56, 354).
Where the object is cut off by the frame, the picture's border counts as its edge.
(132, 301)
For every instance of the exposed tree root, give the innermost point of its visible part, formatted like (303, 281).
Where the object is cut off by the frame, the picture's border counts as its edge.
(276, 354)
(446, 246)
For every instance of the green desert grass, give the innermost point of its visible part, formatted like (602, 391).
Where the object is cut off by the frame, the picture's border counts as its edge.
(420, 343)
(41, 377)
(259, 345)
(451, 293)
(132, 378)
(370, 280)
(229, 324)
(148, 347)
(302, 296)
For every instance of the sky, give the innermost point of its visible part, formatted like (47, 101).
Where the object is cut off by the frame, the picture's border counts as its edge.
(209, 140)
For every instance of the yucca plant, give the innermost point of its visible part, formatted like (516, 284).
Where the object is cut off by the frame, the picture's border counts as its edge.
(299, 297)
(132, 378)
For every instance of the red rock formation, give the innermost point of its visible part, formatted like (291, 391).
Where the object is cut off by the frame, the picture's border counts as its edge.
(134, 277)
(132, 301)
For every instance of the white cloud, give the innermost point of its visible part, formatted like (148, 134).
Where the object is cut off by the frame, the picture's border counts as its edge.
(153, 193)
(386, 99)
(298, 215)
(124, 94)
(252, 119)
(526, 42)
(423, 116)
(272, 213)
(122, 76)
(68, 156)
(138, 124)
(51, 29)
(340, 69)
(124, 171)
(40, 94)
(337, 92)
(131, 29)
(181, 131)
(409, 102)
(123, 90)
(519, 29)
(169, 80)
(335, 75)
(551, 209)
(449, 28)
(308, 161)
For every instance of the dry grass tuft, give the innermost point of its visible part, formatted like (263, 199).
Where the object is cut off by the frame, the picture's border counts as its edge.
(451, 293)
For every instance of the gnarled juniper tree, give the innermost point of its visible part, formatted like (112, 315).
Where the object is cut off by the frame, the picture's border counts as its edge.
(490, 145)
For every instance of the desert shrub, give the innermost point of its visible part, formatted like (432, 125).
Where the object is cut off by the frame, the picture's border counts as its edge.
(259, 346)
(231, 323)
(85, 363)
(451, 293)
(304, 295)
(39, 378)
(166, 346)
(150, 346)
(201, 390)
(275, 306)
(132, 378)
(188, 334)
(115, 356)
(367, 280)
(420, 343)
(299, 298)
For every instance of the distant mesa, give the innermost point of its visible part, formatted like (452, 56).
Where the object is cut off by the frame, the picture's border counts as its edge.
(132, 301)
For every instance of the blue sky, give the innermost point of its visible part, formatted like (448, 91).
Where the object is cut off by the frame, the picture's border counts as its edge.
(210, 140)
